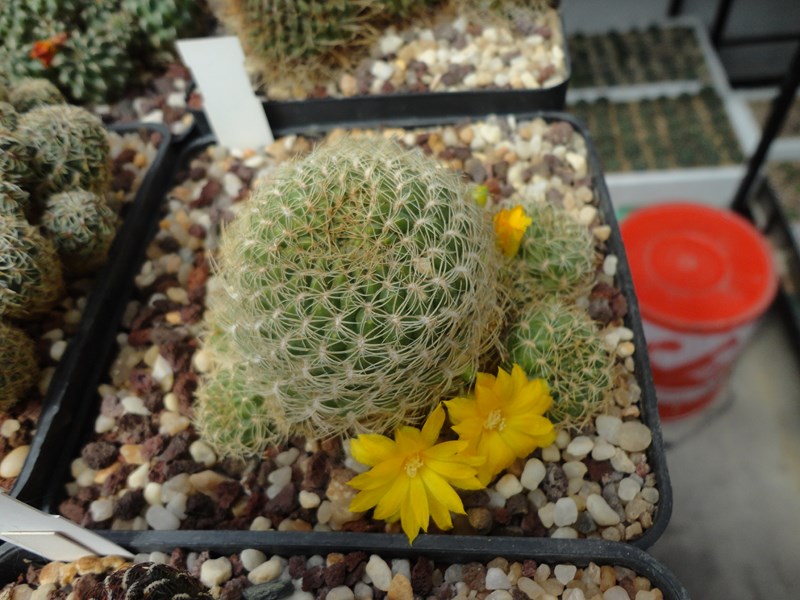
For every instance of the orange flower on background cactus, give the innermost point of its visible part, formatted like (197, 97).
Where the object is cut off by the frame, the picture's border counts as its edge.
(45, 50)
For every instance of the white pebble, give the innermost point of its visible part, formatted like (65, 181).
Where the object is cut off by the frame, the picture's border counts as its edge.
(252, 558)
(401, 566)
(261, 524)
(621, 462)
(499, 595)
(43, 592)
(565, 533)
(650, 495)
(530, 588)
(551, 453)
(580, 446)
(565, 573)
(171, 423)
(563, 439)
(138, 477)
(232, 184)
(215, 571)
(135, 406)
(309, 499)
(202, 453)
(390, 43)
(160, 558)
(177, 505)
(202, 361)
(9, 427)
(11, 466)
(382, 70)
(101, 509)
(160, 519)
(361, 591)
(533, 474)
(85, 479)
(57, 350)
(287, 458)
(152, 493)
(577, 162)
(497, 579)
(565, 513)
(610, 265)
(104, 424)
(634, 436)
(587, 215)
(508, 485)
(379, 572)
(573, 594)
(162, 373)
(616, 593)
(547, 514)
(628, 488)
(575, 469)
(280, 477)
(341, 592)
(608, 427)
(603, 450)
(601, 512)
(266, 571)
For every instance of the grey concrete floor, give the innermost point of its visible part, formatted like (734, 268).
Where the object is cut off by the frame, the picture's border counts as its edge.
(735, 469)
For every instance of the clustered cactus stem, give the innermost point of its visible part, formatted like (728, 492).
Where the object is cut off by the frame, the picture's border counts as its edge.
(364, 282)
(149, 581)
(20, 367)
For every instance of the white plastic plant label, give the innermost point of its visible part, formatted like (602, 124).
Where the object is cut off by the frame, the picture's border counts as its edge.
(234, 113)
(49, 536)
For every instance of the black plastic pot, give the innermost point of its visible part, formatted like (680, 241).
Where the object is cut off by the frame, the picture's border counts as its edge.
(649, 410)
(453, 550)
(64, 408)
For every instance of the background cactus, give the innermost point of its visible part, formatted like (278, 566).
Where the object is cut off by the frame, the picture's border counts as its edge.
(91, 50)
(31, 280)
(299, 40)
(29, 93)
(14, 201)
(561, 344)
(70, 146)
(16, 159)
(556, 255)
(20, 367)
(363, 281)
(82, 228)
(8, 116)
(149, 581)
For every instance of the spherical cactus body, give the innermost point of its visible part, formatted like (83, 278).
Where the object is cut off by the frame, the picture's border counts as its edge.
(16, 159)
(360, 284)
(14, 201)
(27, 94)
(20, 367)
(149, 581)
(31, 279)
(8, 116)
(71, 149)
(82, 228)
(556, 255)
(560, 343)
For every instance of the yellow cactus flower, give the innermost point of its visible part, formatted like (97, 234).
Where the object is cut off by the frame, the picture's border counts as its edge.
(503, 421)
(412, 477)
(510, 225)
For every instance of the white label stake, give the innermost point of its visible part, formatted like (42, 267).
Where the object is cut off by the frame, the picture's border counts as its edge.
(49, 536)
(235, 114)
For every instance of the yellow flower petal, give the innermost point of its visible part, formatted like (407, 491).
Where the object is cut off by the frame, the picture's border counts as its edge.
(366, 499)
(380, 475)
(433, 425)
(459, 409)
(441, 491)
(419, 501)
(394, 499)
(370, 449)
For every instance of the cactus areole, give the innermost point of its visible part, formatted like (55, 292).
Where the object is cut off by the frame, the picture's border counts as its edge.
(359, 284)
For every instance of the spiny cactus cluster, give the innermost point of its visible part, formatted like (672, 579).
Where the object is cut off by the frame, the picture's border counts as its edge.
(70, 149)
(82, 227)
(16, 159)
(32, 92)
(360, 284)
(31, 280)
(91, 49)
(297, 40)
(8, 115)
(14, 201)
(556, 255)
(20, 367)
(560, 343)
(149, 581)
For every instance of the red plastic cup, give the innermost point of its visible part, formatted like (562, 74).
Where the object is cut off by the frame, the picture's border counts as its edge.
(703, 277)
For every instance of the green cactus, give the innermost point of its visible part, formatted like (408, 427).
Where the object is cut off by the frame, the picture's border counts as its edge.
(29, 93)
(149, 581)
(71, 149)
(3, 86)
(560, 343)
(360, 284)
(16, 159)
(82, 228)
(160, 22)
(14, 201)
(8, 116)
(31, 280)
(296, 40)
(556, 255)
(20, 367)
